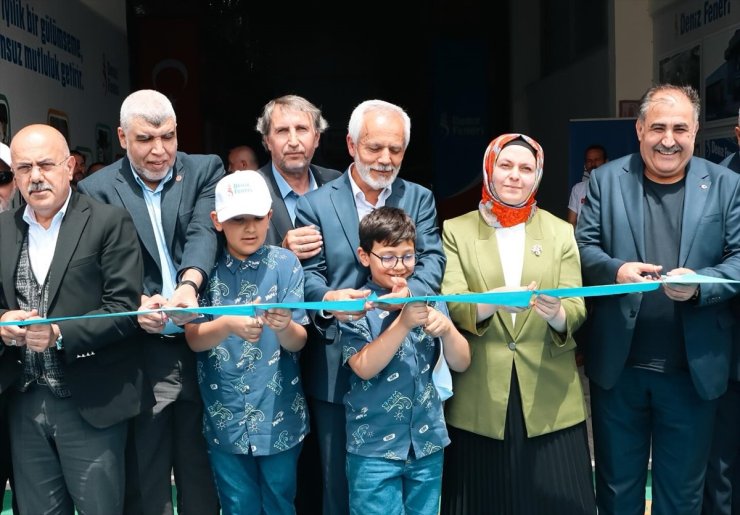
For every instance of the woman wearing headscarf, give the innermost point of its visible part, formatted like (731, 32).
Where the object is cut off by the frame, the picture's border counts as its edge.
(517, 419)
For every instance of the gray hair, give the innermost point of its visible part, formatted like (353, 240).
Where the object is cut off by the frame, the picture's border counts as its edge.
(293, 103)
(358, 118)
(151, 105)
(649, 97)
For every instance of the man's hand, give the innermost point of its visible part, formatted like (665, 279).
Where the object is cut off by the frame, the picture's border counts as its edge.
(304, 242)
(152, 323)
(677, 291)
(14, 335)
(347, 294)
(184, 297)
(40, 337)
(400, 291)
(635, 272)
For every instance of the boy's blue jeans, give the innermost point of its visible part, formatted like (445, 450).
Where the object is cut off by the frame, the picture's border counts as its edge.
(252, 485)
(378, 486)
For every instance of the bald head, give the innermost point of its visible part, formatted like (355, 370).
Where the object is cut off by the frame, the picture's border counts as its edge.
(43, 169)
(242, 158)
(42, 134)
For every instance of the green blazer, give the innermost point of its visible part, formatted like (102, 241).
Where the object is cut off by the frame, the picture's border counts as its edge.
(552, 395)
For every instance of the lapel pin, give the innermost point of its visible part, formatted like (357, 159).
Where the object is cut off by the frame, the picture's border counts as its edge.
(703, 186)
(537, 250)
(178, 177)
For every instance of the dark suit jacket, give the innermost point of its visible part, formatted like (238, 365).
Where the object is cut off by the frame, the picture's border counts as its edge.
(96, 268)
(280, 223)
(733, 163)
(610, 232)
(187, 202)
(332, 209)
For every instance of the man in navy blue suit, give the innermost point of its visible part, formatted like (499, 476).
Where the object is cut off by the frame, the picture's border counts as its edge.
(170, 196)
(378, 135)
(659, 360)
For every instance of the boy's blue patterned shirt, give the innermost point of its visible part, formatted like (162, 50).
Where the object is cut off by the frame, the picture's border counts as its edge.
(399, 408)
(252, 392)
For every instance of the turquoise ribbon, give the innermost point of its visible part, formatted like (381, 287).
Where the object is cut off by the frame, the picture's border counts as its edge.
(519, 298)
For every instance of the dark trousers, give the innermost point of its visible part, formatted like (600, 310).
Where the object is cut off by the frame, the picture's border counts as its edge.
(169, 437)
(309, 487)
(61, 462)
(332, 436)
(649, 410)
(722, 484)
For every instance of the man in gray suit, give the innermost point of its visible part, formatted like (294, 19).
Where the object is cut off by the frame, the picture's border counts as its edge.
(660, 360)
(170, 196)
(291, 128)
(378, 135)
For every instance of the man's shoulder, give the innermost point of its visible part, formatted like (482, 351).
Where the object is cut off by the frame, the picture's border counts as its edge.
(326, 189)
(100, 210)
(326, 174)
(102, 181)
(713, 169)
(412, 191)
(197, 162)
(732, 162)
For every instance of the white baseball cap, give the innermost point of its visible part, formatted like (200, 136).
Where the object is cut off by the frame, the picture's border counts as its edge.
(5, 153)
(242, 193)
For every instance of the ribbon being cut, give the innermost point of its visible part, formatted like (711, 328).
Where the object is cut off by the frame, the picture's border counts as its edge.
(503, 298)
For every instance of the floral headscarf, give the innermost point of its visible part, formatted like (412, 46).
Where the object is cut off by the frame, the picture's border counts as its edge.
(494, 211)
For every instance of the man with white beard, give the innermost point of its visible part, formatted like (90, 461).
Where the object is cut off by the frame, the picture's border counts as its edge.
(170, 196)
(378, 135)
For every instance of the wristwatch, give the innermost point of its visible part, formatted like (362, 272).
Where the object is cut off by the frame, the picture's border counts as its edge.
(189, 283)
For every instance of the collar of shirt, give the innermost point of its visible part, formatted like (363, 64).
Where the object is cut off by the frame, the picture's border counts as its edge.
(30, 217)
(290, 197)
(41, 241)
(234, 264)
(152, 198)
(361, 203)
(285, 188)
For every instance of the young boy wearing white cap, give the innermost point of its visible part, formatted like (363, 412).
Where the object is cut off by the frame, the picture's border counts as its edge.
(255, 412)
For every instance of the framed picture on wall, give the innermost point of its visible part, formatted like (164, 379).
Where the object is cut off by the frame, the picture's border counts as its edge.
(629, 108)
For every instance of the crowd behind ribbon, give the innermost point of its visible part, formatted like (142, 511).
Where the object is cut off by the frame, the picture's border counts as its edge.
(423, 408)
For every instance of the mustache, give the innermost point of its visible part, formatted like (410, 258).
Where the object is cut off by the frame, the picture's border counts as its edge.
(39, 186)
(673, 148)
(384, 168)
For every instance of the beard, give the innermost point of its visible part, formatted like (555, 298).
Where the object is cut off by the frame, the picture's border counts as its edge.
(376, 183)
(4, 204)
(148, 175)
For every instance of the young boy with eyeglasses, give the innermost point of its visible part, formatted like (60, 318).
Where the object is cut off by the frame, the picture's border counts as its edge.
(395, 421)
